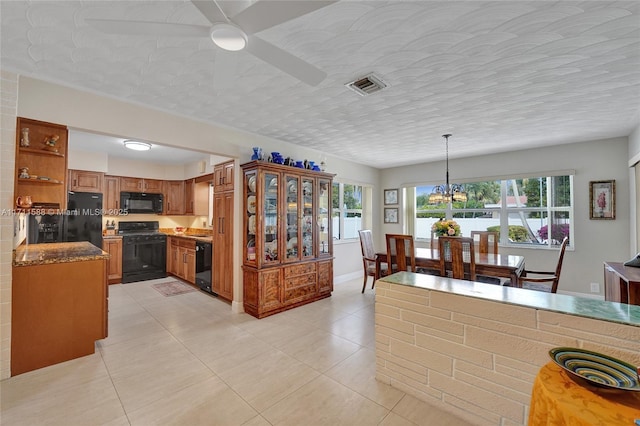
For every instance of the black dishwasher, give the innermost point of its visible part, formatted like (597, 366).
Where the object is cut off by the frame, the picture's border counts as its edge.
(203, 266)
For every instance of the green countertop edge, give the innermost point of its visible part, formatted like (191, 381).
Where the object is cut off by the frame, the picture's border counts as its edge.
(571, 305)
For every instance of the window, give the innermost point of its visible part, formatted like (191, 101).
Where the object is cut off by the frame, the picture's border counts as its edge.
(347, 204)
(530, 211)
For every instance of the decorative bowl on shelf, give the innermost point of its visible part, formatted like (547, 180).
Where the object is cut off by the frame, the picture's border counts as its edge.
(596, 369)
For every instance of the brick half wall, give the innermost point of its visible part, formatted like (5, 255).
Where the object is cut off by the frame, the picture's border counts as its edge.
(478, 358)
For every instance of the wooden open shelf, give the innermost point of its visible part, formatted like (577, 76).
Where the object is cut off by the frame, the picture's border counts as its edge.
(40, 152)
(43, 181)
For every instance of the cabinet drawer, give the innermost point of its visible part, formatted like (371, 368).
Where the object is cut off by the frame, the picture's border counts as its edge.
(295, 270)
(300, 281)
(299, 291)
(187, 243)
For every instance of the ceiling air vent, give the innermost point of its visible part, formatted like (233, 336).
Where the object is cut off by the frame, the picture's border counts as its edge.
(367, 85)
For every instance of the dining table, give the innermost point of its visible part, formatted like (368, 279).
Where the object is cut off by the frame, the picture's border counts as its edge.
(487, 264)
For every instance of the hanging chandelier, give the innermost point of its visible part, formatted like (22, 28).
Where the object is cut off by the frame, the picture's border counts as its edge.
(447, 193)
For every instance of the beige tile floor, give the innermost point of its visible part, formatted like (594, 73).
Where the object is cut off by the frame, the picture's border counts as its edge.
(187, 360)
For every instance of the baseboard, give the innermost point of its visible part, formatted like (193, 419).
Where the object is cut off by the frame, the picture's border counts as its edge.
(339, 279)
(585, 295)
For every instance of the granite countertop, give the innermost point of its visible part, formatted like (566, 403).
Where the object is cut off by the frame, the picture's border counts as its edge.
(43, 254)
(207, 238)
(571, 305)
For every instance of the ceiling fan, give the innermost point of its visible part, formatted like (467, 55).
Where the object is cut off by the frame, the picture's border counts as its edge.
(233, 34)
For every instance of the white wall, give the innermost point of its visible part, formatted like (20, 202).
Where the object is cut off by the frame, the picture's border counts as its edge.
(595, 241)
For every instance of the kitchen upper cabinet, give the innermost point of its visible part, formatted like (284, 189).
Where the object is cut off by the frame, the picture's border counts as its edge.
(85, 181)
(111, 197)
(223, 177)
(129, 184)
(41, 163)
(196, 195)
(113, 246)
(174, 197)
(189, 201)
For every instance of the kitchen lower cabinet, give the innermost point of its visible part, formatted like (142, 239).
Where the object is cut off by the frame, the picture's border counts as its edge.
(182, 258)
(113, 246)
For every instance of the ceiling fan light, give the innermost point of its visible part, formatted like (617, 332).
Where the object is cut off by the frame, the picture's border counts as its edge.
(228, 37)
(137, 145)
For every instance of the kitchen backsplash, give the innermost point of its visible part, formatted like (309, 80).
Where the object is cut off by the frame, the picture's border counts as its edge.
(199, 222)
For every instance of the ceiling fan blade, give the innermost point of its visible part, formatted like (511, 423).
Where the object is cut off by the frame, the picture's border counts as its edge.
(284, 61)
(211, 10)
(265, 14)
(147, 28)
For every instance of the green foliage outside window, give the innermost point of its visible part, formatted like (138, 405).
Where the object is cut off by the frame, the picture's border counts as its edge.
(516, 233)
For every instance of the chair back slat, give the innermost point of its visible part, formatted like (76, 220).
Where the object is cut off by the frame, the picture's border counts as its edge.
(487, 241)
(563, 246)
(457, 257)
(401, 252)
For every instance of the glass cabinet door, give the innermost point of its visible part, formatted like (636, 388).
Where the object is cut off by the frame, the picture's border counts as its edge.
(322, 217)
(270, 220)
(291, 217)
(306, 249)
(250, 207)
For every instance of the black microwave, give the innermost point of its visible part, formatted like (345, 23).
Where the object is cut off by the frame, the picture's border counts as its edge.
(141, 202)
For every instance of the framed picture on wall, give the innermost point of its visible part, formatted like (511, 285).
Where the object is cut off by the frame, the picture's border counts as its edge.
(602, 199)
(390, 215)
(390, 196)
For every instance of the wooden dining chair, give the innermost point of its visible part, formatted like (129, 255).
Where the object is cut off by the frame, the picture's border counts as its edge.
(369, 259)
(486, 241)
(397, 244)
(544, 280)
(455, 254)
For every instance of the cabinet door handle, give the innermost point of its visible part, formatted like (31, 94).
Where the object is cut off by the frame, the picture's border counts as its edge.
(75, 182)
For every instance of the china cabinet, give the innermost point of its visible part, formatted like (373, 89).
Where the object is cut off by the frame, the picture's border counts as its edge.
(41, 163)
(287, 251)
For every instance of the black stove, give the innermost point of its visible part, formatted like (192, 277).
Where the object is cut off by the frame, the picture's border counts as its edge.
(144, 251)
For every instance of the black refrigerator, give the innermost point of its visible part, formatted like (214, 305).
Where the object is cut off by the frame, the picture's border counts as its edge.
(83, 221)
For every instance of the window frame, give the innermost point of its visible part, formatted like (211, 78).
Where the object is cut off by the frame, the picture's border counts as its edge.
(504, 210)
(366, 191)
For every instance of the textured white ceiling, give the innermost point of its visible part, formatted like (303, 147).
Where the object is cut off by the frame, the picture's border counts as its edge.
(500, 76)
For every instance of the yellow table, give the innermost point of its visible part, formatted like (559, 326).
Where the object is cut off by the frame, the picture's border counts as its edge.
(558, 400)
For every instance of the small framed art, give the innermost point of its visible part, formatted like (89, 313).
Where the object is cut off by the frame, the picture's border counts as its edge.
(390, 215)
(602, 199)
(390, 196)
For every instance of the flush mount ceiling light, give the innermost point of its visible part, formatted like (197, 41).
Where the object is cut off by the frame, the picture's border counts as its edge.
(137, 145)
(228, 37)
